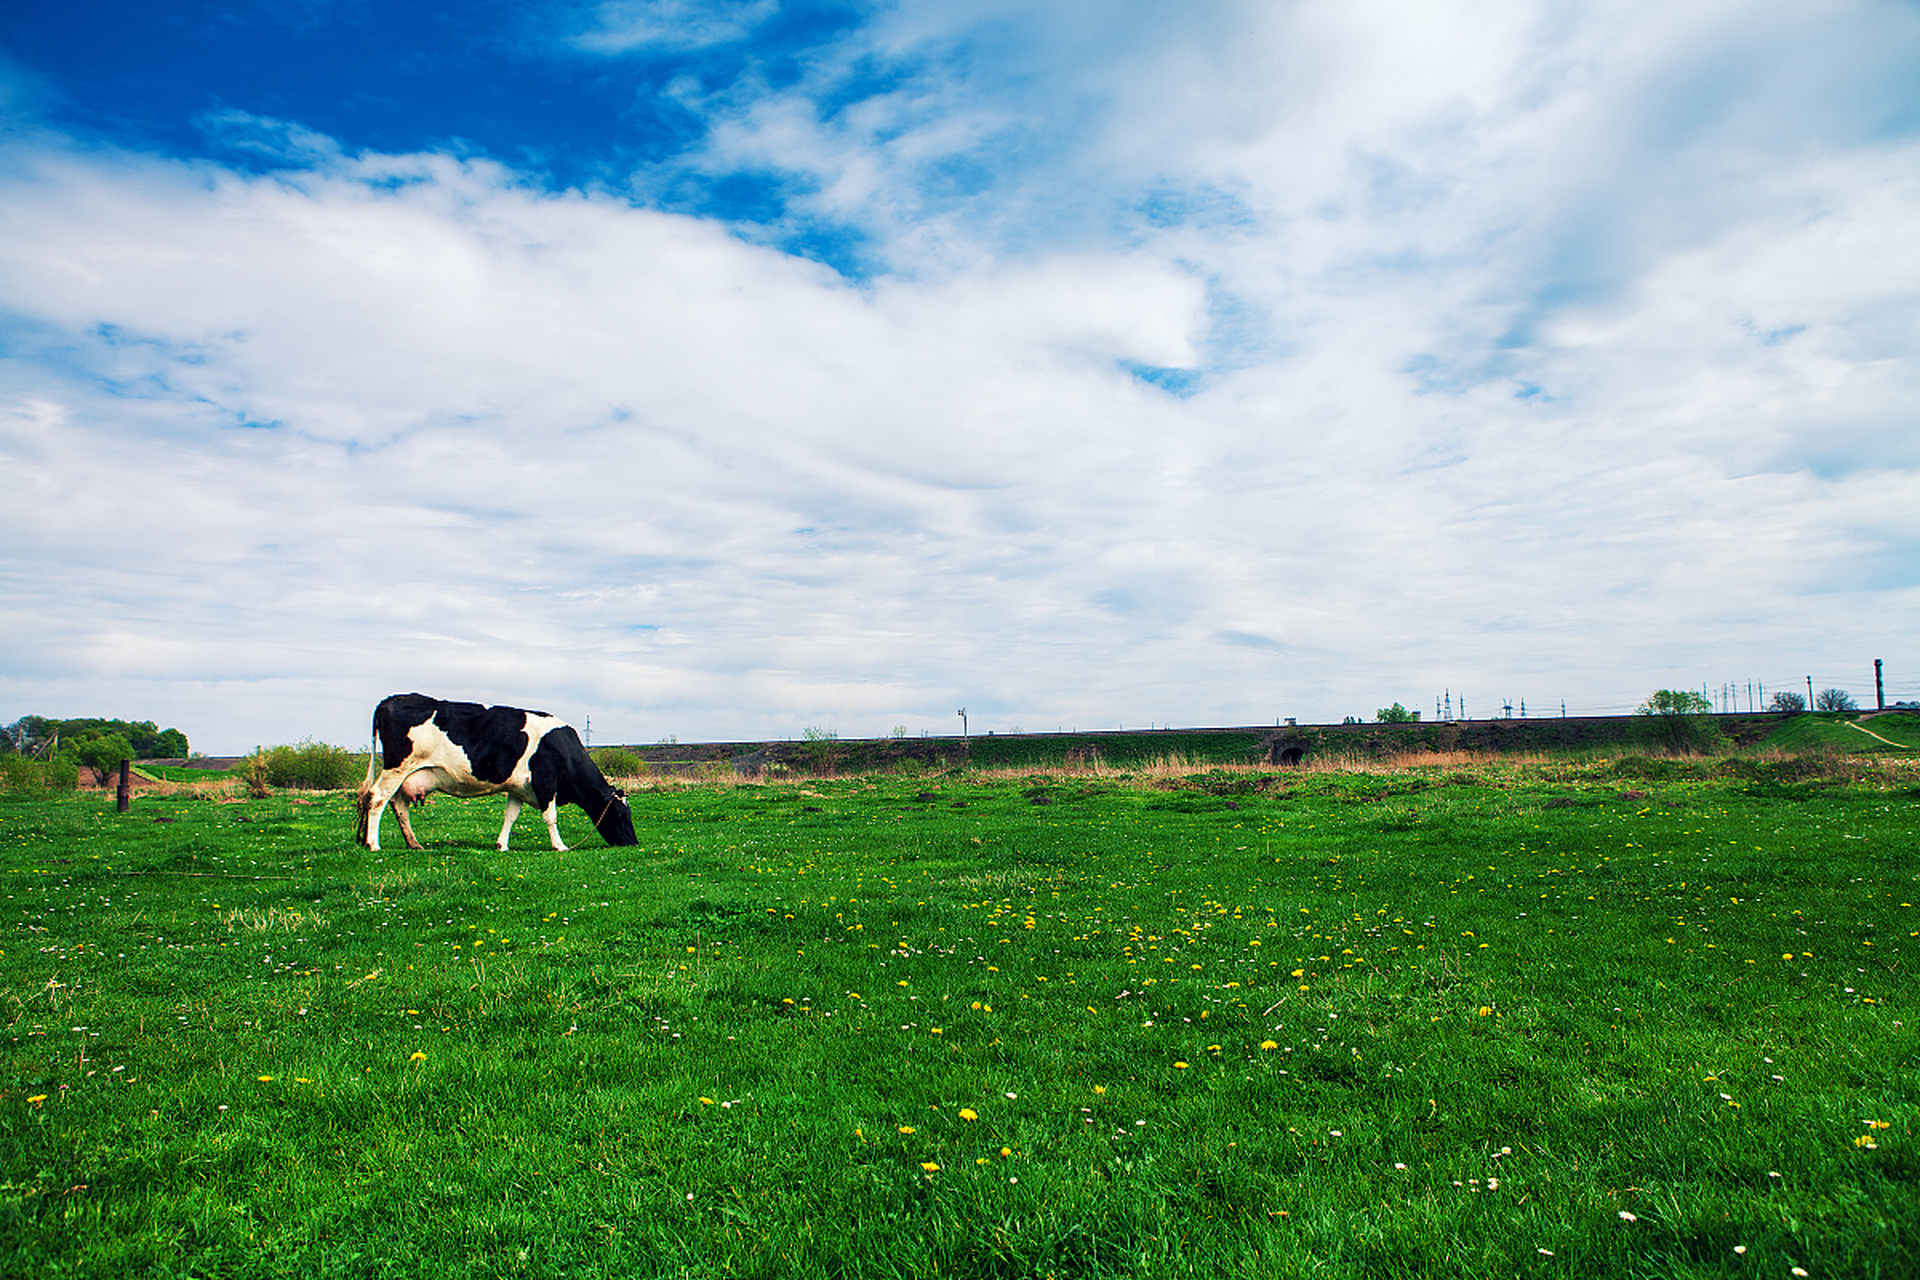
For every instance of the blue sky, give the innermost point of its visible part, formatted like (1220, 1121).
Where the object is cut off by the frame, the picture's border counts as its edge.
(721, 370)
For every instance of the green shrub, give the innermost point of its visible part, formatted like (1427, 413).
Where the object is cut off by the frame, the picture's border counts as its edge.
(309, 766)
(1681, 720)
(21, 776)
(618, 762)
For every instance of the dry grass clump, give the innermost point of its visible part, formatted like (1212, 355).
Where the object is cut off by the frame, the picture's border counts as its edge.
(271, 919)
(219, 787)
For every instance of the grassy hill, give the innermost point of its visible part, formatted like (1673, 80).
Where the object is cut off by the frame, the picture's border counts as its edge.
(1843, 731)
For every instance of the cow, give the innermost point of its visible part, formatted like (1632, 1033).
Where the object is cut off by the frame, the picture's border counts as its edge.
(422, 744)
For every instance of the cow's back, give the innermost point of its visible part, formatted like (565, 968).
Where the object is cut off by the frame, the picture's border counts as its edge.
(493, 739)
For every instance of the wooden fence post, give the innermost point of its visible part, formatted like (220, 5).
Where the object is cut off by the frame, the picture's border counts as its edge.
(125, 796)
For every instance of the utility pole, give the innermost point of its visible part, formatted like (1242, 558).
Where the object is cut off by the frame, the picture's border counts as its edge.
(1809, 693)
(1879, 689)
(962, 713)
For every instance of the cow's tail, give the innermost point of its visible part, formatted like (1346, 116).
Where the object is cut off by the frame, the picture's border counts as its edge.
(373, 755)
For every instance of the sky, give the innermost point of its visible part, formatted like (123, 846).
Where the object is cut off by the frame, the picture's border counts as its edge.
(721, 371)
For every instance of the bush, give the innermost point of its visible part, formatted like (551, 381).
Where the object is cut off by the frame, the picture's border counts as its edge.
(308, 766)
(1680, 720)
(821, 751)
(21, 776)
(1395, 714)
(618, 762)
(1791, 703)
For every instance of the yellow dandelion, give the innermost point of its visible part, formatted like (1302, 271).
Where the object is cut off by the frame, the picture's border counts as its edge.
(968, 1113)
(906, 1128)
(1485, 1010)
(418, 1056)
(1179, 1066)
(705, 1101)
(1269, 1044)
(36, 1099)
(264, 1079)
(1099, 1088)
(1006, 1152)
(930, 1166)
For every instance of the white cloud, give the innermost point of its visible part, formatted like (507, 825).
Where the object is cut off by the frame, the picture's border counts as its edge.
(1512, 380)
(622, 26)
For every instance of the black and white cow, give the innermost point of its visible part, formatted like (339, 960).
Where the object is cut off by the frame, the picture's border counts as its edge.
(422, 744)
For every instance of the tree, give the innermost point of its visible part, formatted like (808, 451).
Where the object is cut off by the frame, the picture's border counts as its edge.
(1789, 702)
(144, 738)
(1395, 714)
(1834, 700)
(1674, 702)
(1680, 720)
(102, 754)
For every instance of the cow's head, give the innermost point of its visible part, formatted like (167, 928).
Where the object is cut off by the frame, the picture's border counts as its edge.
(615, 823)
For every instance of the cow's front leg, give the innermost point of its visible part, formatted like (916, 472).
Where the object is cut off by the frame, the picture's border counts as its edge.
(513, 811)
(552, 814)
(376, 800)
(400, 808)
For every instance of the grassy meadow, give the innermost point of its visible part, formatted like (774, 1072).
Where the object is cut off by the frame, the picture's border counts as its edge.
(1617, 1018)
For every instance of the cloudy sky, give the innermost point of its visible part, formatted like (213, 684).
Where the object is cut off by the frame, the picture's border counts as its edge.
(720, 370)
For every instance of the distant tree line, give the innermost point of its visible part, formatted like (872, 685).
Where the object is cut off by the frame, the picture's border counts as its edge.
(64, 746)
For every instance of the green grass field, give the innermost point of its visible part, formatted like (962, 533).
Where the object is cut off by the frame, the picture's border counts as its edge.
(1551, 1020)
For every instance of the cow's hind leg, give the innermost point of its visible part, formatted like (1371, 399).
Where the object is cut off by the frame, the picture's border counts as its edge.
(513, 811)
(400, 808)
